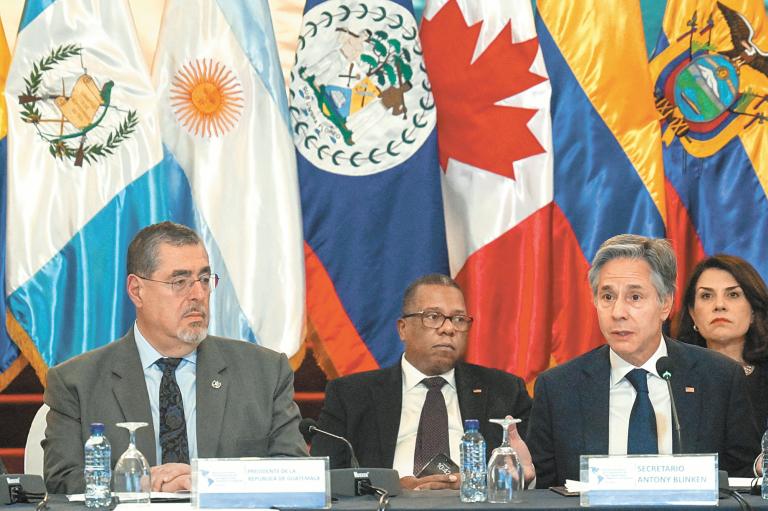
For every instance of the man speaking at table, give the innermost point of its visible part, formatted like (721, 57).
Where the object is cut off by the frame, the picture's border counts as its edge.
(402, 416)
(612, 399)
(234, 398)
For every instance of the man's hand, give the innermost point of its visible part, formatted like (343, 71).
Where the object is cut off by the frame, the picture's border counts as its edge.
(523, 453)
(433, 482)
(171, 477)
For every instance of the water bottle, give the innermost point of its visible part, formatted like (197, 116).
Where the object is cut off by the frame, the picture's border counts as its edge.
(764, 482)
(474, 482)
(98, 468)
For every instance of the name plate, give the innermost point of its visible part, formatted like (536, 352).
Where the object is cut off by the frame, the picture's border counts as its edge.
(260, 483)
(680, 479)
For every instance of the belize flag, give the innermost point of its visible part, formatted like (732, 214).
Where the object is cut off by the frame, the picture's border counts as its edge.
(224, 118)
(363, 121)
(495, 141)
(83, 175)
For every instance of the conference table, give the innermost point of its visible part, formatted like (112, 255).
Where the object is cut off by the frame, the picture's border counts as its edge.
(443, 500)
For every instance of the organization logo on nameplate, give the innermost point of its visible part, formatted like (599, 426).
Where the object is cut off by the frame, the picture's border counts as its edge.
(680, 479)
(261, 483)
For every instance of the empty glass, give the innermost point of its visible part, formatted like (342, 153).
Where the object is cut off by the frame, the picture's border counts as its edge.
(131, 475)
(505, 472)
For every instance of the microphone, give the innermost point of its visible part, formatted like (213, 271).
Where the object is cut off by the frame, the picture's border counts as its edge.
(308, 428)
(355, 481)
(664, 368)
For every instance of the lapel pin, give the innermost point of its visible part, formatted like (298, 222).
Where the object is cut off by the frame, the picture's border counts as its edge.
(216, 384)
(690, 390)
(477, 391)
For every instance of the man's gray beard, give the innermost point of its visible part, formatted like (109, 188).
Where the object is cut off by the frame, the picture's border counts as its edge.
(192, 335)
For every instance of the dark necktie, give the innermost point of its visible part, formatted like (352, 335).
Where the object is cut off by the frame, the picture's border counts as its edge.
(642, 438)
(173, 425)
(432, 435)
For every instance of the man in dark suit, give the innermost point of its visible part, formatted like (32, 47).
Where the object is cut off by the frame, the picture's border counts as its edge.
(382, 412)
(612, 400)
(234, 398)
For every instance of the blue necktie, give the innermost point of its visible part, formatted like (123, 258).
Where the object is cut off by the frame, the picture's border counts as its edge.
(642, 438)
(173, 425)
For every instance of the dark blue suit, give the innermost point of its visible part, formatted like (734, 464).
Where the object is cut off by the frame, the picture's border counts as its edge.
(365, 408)
(570, 412)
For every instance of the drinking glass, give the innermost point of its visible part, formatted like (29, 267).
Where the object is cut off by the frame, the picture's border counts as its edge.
(505, 472)
(131, 475)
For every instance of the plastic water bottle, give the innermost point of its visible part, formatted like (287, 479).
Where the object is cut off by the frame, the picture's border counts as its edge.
(474, 482)
(764, 482)
(98, 468)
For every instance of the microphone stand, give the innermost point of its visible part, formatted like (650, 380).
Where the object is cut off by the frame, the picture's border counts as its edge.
(675, 419)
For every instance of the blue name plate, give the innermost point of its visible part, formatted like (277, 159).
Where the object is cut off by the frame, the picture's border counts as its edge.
(648, 480)
(260, 483)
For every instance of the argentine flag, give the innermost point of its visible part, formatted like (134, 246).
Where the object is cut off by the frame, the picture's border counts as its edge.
(83, 175)
(224, 121)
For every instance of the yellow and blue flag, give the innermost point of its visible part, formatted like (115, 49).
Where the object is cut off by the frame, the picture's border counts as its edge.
(608, 168)
(11, 361)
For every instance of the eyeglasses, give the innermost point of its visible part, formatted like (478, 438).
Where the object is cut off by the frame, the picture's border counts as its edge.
(434, 319)
(183, 285)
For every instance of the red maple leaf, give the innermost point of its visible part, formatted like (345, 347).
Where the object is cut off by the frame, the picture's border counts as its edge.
(471, 128)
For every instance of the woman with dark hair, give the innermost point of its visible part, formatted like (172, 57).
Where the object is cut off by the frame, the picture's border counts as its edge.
(725, 308)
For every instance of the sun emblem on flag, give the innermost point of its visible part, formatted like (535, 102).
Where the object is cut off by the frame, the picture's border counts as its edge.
(207, 98)
(74, 112)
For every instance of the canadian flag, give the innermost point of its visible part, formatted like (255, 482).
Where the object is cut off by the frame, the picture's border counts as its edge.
(495, 144)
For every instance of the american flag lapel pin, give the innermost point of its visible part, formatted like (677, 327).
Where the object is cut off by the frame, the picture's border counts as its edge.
(690, 390)
(477, 391)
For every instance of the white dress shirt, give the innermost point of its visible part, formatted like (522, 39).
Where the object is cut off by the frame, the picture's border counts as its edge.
(185, 377)
(414, 395)
(622, 397)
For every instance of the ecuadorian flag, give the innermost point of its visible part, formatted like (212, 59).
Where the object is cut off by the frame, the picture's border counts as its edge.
(709, 76)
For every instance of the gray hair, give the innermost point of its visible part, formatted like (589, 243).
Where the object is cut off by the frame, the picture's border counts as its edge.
(433, 279)
(142, 252)
(656, 252)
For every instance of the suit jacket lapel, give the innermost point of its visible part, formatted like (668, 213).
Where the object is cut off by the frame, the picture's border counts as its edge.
(130, 391)
(212, 390)
(471, 402)
(688, 403)
(594, 394)
(388, 399)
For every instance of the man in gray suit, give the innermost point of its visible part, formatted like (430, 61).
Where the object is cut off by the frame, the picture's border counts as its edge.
(202, 396)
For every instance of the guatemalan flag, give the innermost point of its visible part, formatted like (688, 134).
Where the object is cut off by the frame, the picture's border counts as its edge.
(363, 120)
(83, 174)
(224, 119)
(495, 144)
